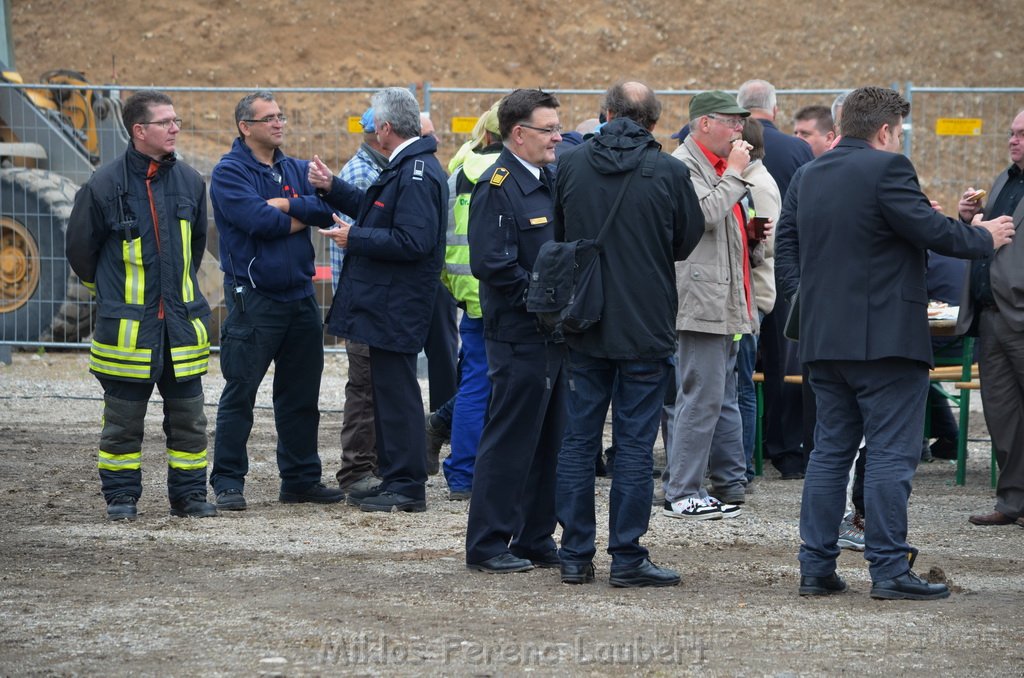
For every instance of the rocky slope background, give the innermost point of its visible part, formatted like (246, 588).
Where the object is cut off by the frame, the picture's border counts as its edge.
(584, 44)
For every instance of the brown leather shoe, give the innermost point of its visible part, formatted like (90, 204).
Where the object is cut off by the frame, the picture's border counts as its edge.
(994, 518)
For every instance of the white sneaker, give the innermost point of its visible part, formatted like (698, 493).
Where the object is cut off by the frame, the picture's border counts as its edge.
(727, 510)
(694, 508)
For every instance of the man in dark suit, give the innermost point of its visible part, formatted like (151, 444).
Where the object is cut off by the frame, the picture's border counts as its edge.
(783, 417)
(864, 334)
(992, 308)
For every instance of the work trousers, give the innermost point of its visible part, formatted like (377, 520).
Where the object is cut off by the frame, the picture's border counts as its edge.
(257, 332)
(358, 433)
(1001, 367)
(398, 417)
(707, 426)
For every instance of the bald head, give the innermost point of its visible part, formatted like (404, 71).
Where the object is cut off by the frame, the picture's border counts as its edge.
(634, 100)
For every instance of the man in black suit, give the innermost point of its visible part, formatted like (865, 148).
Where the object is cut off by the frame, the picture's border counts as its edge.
(783, 416)
(992, 308)
(864, 334)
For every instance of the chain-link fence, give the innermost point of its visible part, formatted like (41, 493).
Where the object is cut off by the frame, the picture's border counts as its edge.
(958, 137)
(53, 135)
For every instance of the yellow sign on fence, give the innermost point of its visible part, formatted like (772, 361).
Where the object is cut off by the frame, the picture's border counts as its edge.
(463, 125)
(964, 127)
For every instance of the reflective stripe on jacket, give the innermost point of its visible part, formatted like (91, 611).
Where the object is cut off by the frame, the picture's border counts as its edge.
(136, 237)
(456, 275)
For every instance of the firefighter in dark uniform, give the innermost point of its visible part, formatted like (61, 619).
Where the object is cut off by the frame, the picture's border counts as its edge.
(136, 237)
(512, 510)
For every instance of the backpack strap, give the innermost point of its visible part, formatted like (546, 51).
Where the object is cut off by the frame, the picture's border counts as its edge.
(647, 169)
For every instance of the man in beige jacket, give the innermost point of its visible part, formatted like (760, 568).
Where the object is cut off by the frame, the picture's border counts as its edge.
(715, 305)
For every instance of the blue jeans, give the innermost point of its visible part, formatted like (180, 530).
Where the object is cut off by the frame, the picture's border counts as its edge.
(470, 406)
(746, 397)
(637, 394)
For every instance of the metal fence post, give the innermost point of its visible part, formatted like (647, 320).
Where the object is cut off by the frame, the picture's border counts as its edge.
(908, 137)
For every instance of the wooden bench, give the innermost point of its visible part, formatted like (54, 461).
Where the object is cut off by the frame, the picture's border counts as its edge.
(954, 374)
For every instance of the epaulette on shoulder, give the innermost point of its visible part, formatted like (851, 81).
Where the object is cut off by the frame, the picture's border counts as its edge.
(499, 176)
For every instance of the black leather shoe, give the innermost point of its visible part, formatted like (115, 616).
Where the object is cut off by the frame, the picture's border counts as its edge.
(645, 574)
(355, 496)
(317, 493)
(193, 506)
(822, 586)
(122, 507)
(944, 448)
(577, 573)
(503, 563)
(547, 560)
(392, 501)
(908, 586)
(231, 500)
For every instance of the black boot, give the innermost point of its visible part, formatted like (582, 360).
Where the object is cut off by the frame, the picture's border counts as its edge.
(120, 455)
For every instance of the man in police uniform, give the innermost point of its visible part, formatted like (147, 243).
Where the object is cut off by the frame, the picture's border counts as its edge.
(138, 226)
(512, 512)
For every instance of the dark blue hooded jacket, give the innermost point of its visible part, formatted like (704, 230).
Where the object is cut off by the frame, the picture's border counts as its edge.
(256, 247)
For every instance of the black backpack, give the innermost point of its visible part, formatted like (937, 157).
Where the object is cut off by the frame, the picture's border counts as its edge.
(566, 291)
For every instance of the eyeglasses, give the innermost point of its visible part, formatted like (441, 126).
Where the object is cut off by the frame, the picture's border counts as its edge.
(549, 131)
(280, 117)
(1016, 135)
(164, 123)
(734, 123)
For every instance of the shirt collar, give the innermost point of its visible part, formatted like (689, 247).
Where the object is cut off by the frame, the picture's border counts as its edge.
(401, 147)
(719, 164)
(534, 170)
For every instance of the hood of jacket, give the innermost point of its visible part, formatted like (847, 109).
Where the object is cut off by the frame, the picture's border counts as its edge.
(619, 147)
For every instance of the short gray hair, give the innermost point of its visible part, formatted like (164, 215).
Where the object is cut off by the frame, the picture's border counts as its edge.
(397, 106)
(837, 105)
(243, 109)
(757, 94)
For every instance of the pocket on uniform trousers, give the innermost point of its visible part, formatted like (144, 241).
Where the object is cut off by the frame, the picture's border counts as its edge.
(237, 351)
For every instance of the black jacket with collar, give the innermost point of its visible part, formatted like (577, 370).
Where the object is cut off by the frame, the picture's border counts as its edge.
(510, 217)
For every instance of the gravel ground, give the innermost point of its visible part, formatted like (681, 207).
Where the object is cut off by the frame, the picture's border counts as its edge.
(327, 590)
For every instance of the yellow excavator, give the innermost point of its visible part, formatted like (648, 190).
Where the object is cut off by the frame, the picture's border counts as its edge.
(51, 140)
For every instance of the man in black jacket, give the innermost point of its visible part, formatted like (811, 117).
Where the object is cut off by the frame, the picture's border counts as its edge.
(626, 356)
(783, 414)
(387, 289)
(864, 335)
